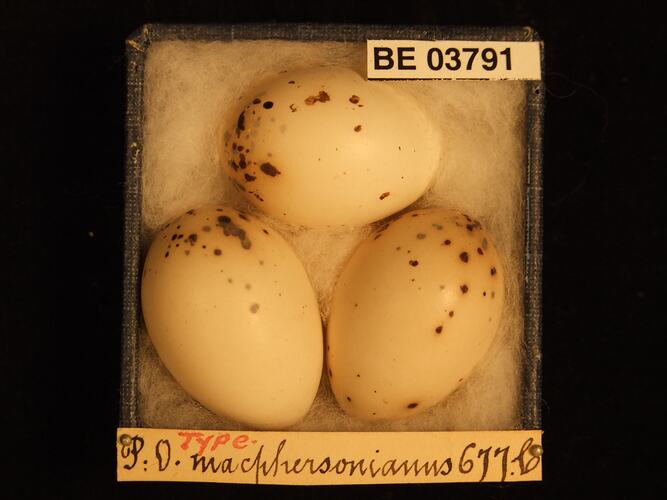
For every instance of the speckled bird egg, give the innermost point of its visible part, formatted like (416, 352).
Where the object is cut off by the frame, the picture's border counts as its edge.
(323, 146)
(232, 314)
(415, 309)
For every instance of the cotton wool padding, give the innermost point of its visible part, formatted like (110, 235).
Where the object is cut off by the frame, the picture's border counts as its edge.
(191, 87)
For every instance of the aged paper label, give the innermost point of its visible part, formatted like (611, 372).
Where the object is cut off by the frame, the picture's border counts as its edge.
(452, 60)
(317, 458)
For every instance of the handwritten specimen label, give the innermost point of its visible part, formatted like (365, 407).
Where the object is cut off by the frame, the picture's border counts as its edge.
(452, 60)
(312, 458)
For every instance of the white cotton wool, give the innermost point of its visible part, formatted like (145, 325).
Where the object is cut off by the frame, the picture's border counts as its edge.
(189, 89)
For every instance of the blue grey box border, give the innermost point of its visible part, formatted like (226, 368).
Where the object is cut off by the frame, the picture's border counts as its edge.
(137, 46)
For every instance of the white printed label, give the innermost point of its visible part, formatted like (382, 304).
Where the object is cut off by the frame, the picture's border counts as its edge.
(452, 60)
(312, 458)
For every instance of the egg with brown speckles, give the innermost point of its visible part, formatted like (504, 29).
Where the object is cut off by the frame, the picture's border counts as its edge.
(324, 146)
(415, 309)
(233, 316)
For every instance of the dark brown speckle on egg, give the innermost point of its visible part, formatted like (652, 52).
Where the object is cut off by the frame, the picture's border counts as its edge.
(267, 105)
(217, 251)
(269, 169)
(493, 271)
(349, 399)
(464, 288)
(240, 124)
(412, 406)
(256, 100)
(480, 251)
(384, 195)
(231, 229)
(322, 96)
(438, 329)
(421, 236)
(464, 256)
(414, 263)
(248, 177)
(357, 128)
(354, 99)
(447, 242)
(451, 314)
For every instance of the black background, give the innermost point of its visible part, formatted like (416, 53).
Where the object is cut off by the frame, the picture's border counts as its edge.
(61, 177)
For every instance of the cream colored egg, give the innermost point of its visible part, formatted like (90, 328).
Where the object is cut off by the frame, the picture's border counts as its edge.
(323, 146)
(232, 315)
(414, 311)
